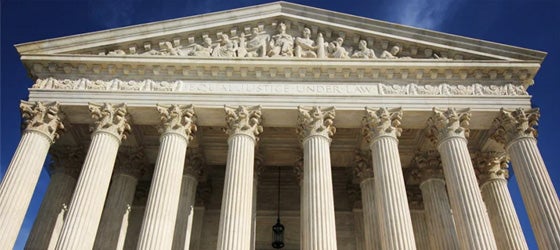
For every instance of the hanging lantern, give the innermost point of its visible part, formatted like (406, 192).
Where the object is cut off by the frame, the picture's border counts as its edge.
(278, 228)
(278, 235)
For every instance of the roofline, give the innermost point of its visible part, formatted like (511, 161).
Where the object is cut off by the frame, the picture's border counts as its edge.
(294, 9)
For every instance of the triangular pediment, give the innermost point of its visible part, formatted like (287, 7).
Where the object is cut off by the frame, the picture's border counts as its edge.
(278, 30)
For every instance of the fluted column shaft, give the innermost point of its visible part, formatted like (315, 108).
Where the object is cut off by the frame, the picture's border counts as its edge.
(185, 213)
(449, 130)
(421, 230)
(243, 127)
(318, 204)
(198, 221)
(254, 214)
(393, 214)
(359, 228)
(80, 226)
(539, 195)
(237, 199)
(119, 201)
(86, 207)
(371, 234)
(438, 215)
(58, 195)
(471, 219)
(23, 172)
(506, 226)
(163, 200)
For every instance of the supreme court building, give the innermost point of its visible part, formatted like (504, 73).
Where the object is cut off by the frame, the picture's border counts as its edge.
(193, 133)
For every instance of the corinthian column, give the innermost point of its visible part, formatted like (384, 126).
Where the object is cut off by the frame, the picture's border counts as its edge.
(315, 127)
(449, 131)
(64, 171)
(436, 203)
(177, 127)
(42, 122)
(364, 172)
(243, 127)
(515, 130)
(355, 197)
(129, 167)
(110, 127)
(194, 164)
(382, 127)
(493, 174)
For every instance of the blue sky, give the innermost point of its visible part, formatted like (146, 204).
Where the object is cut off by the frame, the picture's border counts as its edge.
(533, 24)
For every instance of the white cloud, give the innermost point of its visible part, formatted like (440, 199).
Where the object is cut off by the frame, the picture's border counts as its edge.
(428, 14)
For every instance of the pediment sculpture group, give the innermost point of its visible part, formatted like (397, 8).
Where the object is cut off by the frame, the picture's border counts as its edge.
(261, 44)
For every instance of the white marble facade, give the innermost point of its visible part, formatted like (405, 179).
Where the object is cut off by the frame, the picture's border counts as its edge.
(170, 136)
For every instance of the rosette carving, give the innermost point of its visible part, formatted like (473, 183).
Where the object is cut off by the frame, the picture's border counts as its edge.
(113, 119)
(448, 123)
(316, 121)
(382, 122)
(511, 125)
(491, 165)
(179, 119)
(45, 118)
(244, 120)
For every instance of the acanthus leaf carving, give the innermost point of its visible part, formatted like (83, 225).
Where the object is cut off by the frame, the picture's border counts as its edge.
(513, 124)
(45, 118)
(131, 161)
(316, 121)
(491, 165)
(244, 120)
(109, 118)
(364, 168)
(179, 119)
(448, 123)
(429, 165)
(382, 122)
(195, 163)
(66, 159)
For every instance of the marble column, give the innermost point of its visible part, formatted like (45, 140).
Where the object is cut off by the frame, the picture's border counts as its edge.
(492, 176)
(515, 129)
(203, 193)
(129, 166)
(382, 128)
(243, 127)
(436, 203)
(64, 171)
(176, 129)
(298, 173)
(41, 122)
(421, 230)
(449, 131)
(80, 226)
(315, 127)
(192, 173)
(364, 172)
(355, 197)
(259, 159)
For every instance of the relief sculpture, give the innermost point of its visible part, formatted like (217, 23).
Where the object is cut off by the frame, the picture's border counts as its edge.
(282, 40)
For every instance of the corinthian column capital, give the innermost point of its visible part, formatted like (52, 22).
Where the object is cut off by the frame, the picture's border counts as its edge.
(194, 163)
(448, 123)
(112, 119)
(429, 165)
(316, 121)
(44, 118)
(131, 161)
(491, 165)
(244, 120)
(177, 119)
(382, 122)
(363, 169)
(514, 124)
(66, 159)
